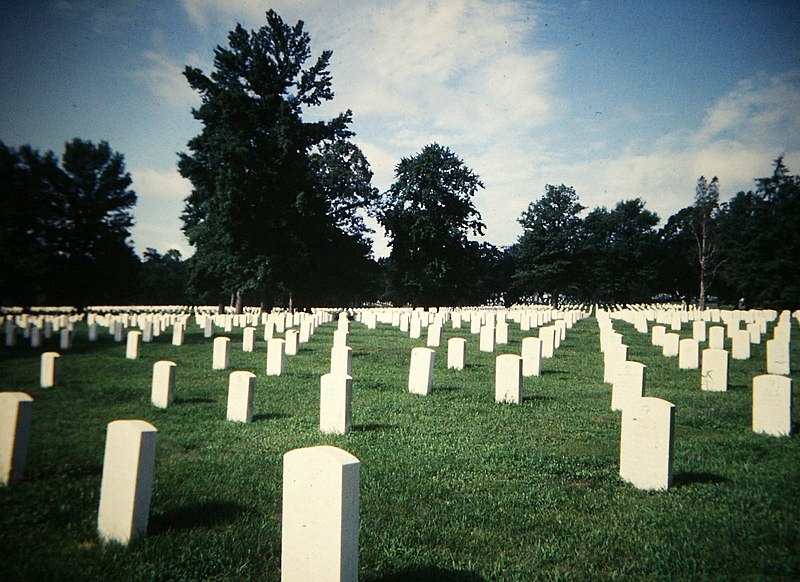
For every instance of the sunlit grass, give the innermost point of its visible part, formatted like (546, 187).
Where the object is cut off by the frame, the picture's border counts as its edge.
(453, 485)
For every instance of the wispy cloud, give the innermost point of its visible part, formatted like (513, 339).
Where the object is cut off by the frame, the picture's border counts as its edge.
(158, 210)
(162, 74)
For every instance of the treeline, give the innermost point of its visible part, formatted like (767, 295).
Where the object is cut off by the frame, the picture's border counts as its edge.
(277, 207)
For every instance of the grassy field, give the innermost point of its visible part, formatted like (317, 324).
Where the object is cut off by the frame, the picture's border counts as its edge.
(453, 485)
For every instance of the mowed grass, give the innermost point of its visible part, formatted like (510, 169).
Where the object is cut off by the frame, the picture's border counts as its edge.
(453, 485)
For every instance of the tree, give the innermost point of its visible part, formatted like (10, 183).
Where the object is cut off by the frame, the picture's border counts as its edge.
(678, 271)
(71, 223)
(705, 212)
(621, 245)
(546, 255)
(258, 215)
(428, 213)
(162, 279)
(761, 234)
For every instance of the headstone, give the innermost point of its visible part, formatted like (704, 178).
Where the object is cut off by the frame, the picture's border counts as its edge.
(657, 334)
(689, 354)
(772, 405)
(646, 443)
(319, 531)
(487, 339)
(48, 374)
(508, 379)
(716, 337)
(147, 331)
(92, 332)
(292, 342)
(613, 360)
(241, 393)
(276, 356)
(699, 331)
(15, 426)
(208, 327)
(740, 344)
(434, 335)
(221, 357)
(456, 353)
(629, 385)
(248, 339)
(127, 481)
(65, 339)
(133, 345)
(178, 332)
(36, 337)
(162, 391)
(714, 370)
(670, 345)
(501, 333)
(531, 357)
(420, 374)
(335, 403)
(342, 360)
(548, 336)
(778, 356)
(341, 337)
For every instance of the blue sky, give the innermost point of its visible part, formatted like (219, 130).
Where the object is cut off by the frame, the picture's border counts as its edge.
(617, 99)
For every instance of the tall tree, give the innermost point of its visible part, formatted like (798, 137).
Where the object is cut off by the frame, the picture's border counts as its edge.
(761, 233)
(428, 214)
(546, 255)
(621, 246)
(705, 212)
(257, 215)
(678, 271)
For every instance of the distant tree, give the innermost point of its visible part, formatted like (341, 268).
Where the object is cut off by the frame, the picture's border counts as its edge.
(761, 234)
(620, 247)
(547, 254)
(704, 215)
(260, 215)
(678, 270)
(70, 224)
(163, 278)
(428, 214)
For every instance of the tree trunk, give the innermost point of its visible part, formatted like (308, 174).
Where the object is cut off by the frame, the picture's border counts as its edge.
(238, 304)
(702, 291)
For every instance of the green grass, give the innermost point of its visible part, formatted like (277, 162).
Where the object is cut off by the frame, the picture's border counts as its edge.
(453, 485)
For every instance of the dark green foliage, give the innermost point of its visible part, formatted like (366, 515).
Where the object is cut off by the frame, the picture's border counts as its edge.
(428, 213)
(162, 278)
(547, 254)
(274, 198)
(65, 228)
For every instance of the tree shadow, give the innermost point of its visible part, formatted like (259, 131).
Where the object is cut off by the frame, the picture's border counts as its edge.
(426, 573)
(193, 401)
(535, 398)
(195, 515)
(693, 478)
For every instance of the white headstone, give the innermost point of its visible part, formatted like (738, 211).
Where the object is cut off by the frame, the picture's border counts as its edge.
(657, 334)
(646, 443)
(133, 345)
(740, 345)
(48, 375)
(487, 339)
(457, 353)
(434, 335)
(531, 357)
(276, 356)
(127, 481)
(714, 370)
(241, 392)
(162, 391)
(501, 333)
(548, 336)
(178, 331)
(420, 374)
(65, 339)
(629, 385)
(15, 426)
(699, 330)
(772, 405)
(689, 354)
(778, 356)
(292, 342)
(716, 337)
(508, 379)
(221, 356)
(248, 339)
(319, 532)
(342, 360)
(670, 345)
(335, 403)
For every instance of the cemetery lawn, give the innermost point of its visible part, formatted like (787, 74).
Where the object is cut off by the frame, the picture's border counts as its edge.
(453, 485)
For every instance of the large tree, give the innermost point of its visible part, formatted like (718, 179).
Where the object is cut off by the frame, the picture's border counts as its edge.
(547, 254)
(760, 230)
(704, 228)
(428, 214)
(621, 245)
(259, 215)
(66, 229)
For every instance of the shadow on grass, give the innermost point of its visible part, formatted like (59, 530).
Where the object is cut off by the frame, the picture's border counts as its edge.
(689, 478)
(194, 401)
(195, 515)
(428, 573)
(269, 416)
(69, 472)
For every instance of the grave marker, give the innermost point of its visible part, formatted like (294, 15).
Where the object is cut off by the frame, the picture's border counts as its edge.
(772, 405)
(221, 356)
(420, 374)
(646, 443)
(15, 425)
(335, 403)
(714, 370)
(457, 353)
(48, 374)
(162, 391)
(241, 393)
(508, 379)
(276, 356)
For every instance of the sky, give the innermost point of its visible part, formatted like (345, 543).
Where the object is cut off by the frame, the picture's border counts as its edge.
(617, 99)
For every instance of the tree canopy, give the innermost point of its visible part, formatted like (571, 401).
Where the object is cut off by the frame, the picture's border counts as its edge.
(274, 198)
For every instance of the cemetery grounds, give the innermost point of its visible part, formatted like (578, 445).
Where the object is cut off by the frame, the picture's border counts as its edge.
(453, 485)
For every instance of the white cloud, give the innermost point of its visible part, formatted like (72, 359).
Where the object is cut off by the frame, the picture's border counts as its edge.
(163, 76)
(158, 210)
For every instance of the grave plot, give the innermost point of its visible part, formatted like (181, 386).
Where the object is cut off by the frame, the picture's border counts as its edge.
(448, 482)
